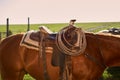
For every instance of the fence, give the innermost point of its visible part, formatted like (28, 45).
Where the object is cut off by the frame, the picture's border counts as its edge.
(8, 32)
(96, 28)
(2, 35)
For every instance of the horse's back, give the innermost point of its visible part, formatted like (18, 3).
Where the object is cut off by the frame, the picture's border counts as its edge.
(11, 40)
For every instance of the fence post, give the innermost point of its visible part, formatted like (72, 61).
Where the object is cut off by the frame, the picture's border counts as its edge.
(28, 28)
(7, 28)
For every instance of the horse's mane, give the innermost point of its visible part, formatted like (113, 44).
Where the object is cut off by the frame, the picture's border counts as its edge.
(107, 36)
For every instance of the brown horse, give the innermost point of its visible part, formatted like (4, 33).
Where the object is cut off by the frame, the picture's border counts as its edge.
(102, 51)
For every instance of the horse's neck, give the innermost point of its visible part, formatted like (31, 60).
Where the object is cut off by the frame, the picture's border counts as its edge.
(110, 49)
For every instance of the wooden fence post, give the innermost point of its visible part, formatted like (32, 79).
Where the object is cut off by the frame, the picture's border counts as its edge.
(28, 28)
(7, 27)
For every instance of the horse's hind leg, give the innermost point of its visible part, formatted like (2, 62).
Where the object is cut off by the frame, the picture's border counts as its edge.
(13, 75)
(21, 75)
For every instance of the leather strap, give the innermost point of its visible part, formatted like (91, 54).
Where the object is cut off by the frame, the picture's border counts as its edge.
(42, 54)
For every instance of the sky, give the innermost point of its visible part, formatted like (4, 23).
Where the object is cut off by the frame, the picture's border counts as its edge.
(59, 11)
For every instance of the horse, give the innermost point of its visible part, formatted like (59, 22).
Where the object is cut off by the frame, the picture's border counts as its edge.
(102, 51)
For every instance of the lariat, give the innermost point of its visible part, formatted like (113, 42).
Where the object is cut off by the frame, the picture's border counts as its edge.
(80, 44)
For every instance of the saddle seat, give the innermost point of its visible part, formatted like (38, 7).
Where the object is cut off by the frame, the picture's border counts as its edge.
(36, 35)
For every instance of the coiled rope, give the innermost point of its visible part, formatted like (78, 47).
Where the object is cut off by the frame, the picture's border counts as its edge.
(76, 49)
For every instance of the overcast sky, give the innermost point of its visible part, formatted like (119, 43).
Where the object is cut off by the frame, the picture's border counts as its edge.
(52, 11)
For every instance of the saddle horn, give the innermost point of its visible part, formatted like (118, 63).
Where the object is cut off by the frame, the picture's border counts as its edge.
(72, 22)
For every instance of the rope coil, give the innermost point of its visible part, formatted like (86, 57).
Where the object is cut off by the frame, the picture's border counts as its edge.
(80, 45)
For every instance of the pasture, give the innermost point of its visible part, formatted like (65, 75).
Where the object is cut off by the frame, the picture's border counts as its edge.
(91, 27)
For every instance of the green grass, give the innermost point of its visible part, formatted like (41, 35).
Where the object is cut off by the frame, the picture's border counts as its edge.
(28, 77)
(92, 27)
(56, 27)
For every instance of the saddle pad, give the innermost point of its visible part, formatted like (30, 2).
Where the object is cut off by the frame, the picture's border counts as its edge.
(29, 43)
(32, 44)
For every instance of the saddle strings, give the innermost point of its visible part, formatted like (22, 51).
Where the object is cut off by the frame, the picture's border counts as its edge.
(42, 55)
(81, 41)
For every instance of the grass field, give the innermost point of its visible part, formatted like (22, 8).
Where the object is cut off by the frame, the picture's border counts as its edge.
(56, 27)
(91, 27)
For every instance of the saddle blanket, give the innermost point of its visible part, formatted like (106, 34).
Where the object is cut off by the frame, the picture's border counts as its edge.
(32, 44)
